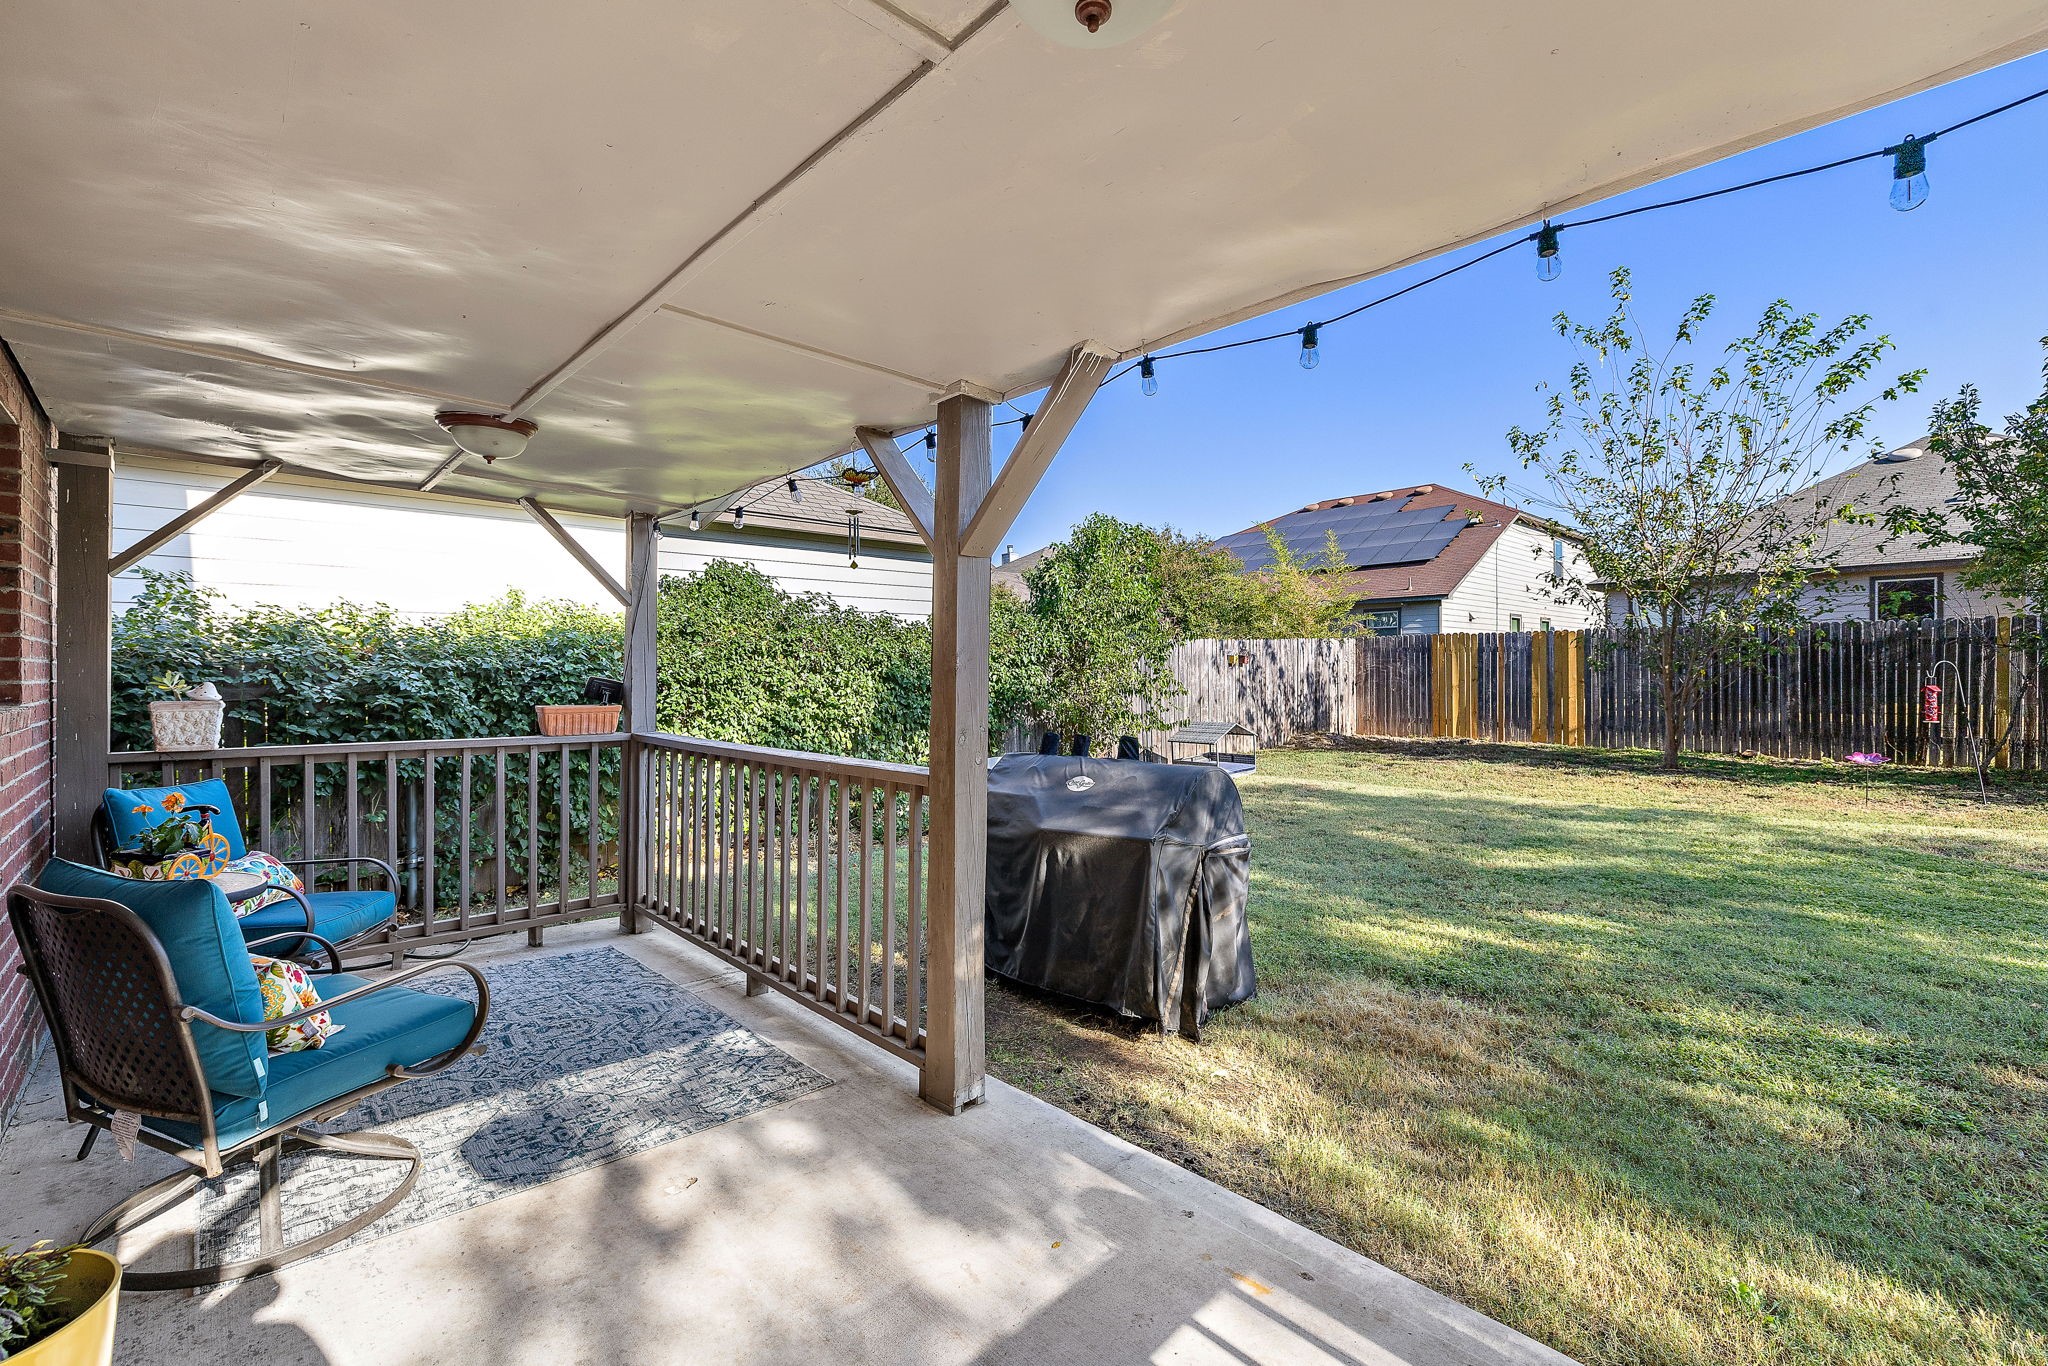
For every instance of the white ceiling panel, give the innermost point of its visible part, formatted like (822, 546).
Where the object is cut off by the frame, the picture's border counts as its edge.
(452, 194)
(1240, 153)
(494, 203)
(682, 411)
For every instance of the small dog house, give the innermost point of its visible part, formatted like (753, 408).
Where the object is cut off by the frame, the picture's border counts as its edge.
(1225, 743)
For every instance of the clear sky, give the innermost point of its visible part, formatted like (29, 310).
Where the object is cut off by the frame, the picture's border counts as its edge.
(1412, 391)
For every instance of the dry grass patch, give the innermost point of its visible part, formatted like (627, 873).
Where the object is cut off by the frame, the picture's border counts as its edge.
(1742, 1067)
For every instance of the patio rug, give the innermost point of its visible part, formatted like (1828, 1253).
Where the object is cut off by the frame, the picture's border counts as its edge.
(590, 1057)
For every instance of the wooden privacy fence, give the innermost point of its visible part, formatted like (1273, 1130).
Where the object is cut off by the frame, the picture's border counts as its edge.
(807, 871)
(1277, 688)
(1819, 692)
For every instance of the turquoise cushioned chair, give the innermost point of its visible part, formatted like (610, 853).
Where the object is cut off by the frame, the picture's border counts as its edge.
(341, 917)
(156, 1014)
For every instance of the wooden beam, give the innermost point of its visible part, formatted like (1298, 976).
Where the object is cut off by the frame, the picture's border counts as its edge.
(82, 683)
(643, 575)
(184, 521)
(901, 479)
(956, 1061)
(576, 550)
(643, 578)
(1043, 436)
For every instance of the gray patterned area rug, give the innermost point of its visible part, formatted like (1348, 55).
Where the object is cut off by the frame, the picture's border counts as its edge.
(590, 1057)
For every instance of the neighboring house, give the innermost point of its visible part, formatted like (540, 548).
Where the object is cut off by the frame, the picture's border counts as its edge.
(304, 542)
(1876, 575)
(1009, 571)
(1426, 559)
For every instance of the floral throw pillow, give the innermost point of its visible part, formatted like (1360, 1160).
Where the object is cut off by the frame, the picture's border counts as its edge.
(271, 871)
(287, 988)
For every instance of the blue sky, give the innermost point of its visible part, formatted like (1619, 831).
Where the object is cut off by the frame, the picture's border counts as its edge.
(1411, 392)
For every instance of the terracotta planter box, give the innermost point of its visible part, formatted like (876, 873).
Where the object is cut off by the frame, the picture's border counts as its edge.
(582, 719)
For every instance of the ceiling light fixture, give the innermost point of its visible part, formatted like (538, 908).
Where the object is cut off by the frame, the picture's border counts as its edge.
(490, 437)
(1091, 23)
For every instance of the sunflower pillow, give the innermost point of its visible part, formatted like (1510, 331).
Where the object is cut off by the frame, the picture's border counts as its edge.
(287, 988)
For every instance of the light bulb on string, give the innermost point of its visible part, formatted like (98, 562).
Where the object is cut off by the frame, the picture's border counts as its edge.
(931, 447)
(1148, 379)
(1549, 264)
(739, 519)
(1311, 346)
(696, 522)
(1909, 174)
(796, 493)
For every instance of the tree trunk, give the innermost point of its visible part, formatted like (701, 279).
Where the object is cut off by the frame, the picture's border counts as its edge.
(1667, 679)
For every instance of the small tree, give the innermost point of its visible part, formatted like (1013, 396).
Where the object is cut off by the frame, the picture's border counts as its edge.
(1679, 479)
(2000, 509)
(2001, 503)
(1103, 630)
(1209, 594)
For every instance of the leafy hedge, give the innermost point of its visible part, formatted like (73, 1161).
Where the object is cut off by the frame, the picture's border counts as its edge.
(353, 673)
(739, 660)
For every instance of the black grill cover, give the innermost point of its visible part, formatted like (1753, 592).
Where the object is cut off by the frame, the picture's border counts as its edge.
(1129, 896)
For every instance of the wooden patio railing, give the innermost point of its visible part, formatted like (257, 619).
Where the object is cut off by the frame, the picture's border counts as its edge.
(487, 836)
(807, 871)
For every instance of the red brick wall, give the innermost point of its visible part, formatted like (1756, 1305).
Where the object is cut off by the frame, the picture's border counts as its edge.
(27, 531)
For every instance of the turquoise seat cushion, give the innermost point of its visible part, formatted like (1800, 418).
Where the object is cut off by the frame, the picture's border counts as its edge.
(209, 961)
(337, 918)
(396, 1026)
(128, 824)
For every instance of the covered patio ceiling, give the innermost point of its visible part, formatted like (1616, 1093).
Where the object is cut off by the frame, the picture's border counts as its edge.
(700, 243)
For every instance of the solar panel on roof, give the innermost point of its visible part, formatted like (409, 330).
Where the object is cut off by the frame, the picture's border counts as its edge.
(1368, 535)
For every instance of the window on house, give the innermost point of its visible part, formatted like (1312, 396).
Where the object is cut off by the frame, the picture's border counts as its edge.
(1557, 558)
(1543, 625)
(1905, 599)
(1514, 624)
(1384, 621)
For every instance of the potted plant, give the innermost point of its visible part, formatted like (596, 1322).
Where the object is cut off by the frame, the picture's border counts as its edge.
(185, 717)
(57, 1306)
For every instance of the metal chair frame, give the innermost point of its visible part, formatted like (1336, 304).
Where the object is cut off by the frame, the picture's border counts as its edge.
(103, 850)
(96, 1101)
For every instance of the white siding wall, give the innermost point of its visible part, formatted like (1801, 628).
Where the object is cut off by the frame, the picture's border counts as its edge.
(1519, 564)
(305, 543)
(1846, 597)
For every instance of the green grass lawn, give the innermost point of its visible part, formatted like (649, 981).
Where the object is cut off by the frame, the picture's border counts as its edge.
(1745, 1065)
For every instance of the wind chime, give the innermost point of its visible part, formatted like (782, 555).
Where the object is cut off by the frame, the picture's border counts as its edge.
(857, 480)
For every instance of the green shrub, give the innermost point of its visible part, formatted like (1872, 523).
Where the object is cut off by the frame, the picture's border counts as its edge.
(349, 673)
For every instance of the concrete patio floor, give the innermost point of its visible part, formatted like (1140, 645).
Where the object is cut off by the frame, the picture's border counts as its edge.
(852, 1225)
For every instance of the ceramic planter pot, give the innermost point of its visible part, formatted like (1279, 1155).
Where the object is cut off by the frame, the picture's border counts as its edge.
(187, 723)
(90, 1292)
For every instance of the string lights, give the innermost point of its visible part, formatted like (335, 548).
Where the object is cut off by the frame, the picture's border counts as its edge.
(1909, 189)
(1549, 265)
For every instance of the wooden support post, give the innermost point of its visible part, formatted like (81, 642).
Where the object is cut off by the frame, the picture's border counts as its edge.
(643, 577)
(575, 548)
(955, 1051)
(83, 678)
(911, 494)
(191, 517)
(1069, 396)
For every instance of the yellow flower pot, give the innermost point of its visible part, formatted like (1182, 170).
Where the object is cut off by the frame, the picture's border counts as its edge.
(90, 1291)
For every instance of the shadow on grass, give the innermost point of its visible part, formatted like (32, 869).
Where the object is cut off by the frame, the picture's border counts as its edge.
(2019, 788)
(1785, 1031)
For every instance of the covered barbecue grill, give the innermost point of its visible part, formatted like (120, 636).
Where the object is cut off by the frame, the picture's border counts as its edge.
(1128, 894)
